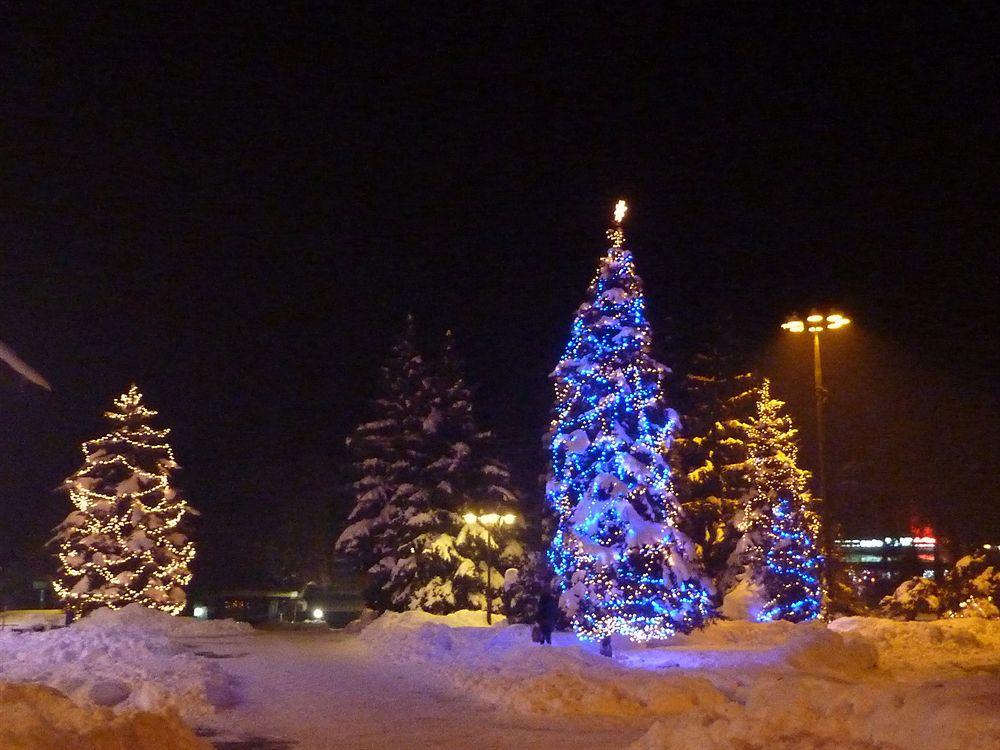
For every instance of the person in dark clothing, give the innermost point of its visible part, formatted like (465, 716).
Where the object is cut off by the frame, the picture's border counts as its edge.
(606, 646)
(548, 614)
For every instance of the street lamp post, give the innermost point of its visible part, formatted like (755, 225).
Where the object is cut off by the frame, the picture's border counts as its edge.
(488, 521)
(817, 324)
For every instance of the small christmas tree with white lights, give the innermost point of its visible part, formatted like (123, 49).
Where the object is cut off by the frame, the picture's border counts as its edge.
(125, 540)
(778, 556)
(623, 564)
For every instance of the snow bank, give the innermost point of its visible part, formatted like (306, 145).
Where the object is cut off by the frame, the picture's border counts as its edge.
(509, 671)
(128, 660)
(417, 635)
(40, 718)
(805, 713)
(414, 619)
(736, 634)
(857, 684)
(155, 621)
(961, 644)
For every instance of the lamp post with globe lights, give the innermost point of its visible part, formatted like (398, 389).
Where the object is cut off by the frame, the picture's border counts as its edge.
(488, 521)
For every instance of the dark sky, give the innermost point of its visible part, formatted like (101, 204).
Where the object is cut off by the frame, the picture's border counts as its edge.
(236, 209)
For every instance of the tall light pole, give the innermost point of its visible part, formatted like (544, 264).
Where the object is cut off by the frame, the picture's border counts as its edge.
(488, 521)
(818, 324)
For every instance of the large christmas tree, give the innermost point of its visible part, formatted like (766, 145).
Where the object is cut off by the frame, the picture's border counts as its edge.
(125, 541)
(778, 556)
(624, 565)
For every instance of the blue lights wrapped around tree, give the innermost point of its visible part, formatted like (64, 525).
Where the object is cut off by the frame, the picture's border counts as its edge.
(623, 565)
(792, 565)
(780, 552)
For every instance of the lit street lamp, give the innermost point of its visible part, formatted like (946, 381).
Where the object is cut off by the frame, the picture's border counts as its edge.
(817, 324)
(488, 521)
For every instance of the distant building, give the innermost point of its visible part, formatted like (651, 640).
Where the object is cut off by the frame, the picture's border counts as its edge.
(877, 566)
(336, 603)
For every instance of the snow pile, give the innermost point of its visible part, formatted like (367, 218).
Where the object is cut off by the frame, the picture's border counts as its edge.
(418, 635)
(155, 621)
(744, 602)
(366, 618)
(126, 660)
(40, 718)
(857, 684)
(510, 672)
(960, 644)
(737, 634)
(805, 713)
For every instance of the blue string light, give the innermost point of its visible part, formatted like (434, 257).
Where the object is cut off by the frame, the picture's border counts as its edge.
(623, 565)
(792, 565)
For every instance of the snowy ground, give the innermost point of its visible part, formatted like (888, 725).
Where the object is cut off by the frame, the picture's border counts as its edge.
(417, 681)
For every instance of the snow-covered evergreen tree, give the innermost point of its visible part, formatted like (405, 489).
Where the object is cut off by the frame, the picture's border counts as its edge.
(422, 464)
(792, 563)
(445, 566)
(624, 565)
(777, 555)
(712, 468)
(387, 453)
(125, 540)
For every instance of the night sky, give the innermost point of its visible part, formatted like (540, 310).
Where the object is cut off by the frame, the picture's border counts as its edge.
(236, 210)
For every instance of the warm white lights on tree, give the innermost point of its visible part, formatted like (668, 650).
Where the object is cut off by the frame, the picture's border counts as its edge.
(124, 541)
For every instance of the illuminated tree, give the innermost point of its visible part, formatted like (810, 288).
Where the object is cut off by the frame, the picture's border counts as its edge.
(791, 563)
(624, 566)
(125, 540)
(778, 555)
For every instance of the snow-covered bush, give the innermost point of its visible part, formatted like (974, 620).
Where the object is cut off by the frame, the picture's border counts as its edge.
(972, 587)
(915, 599)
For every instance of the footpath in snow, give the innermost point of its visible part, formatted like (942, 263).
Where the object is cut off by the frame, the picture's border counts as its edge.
(418, 681)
